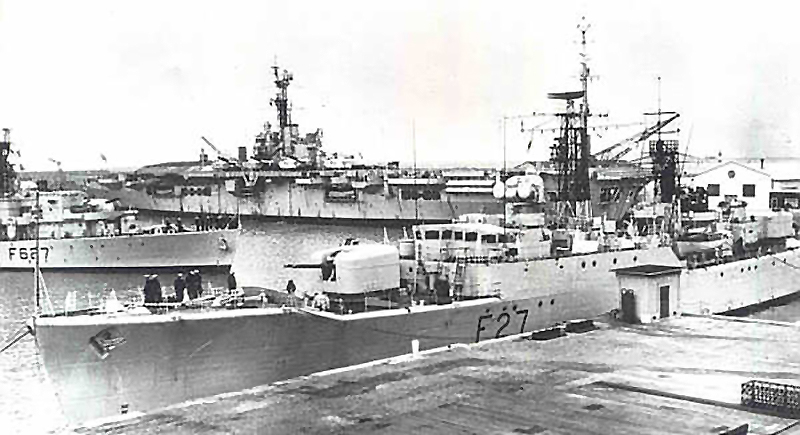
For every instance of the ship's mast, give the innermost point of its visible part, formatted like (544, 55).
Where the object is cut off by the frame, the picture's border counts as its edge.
(571, 150)
(6, 170)
(281, 102)
(38, 272)
(582, 171)
(665, 159)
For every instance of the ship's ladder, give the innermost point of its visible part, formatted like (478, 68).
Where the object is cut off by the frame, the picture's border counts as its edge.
(458, 276)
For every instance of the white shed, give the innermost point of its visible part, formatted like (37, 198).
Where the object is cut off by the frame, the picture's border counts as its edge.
(649, 292)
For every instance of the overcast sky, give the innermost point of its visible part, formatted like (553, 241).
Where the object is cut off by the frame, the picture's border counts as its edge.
(141, 81)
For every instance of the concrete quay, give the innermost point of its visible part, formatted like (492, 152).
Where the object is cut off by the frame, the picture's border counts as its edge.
(676, 376)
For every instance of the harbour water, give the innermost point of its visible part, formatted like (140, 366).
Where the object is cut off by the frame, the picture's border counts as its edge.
(27, 401)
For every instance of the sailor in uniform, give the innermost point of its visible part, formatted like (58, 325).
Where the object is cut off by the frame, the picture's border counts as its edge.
(152, 290)
(180, 286)
(192, 285)
(232, 281)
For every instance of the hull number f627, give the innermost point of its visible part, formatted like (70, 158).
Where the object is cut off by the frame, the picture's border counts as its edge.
(501, 324)
(28, 253)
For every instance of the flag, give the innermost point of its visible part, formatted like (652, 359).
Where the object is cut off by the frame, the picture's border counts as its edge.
(103, 157)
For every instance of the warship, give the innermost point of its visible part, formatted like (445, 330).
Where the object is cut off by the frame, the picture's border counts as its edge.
(482, 277)
(288, 176)
(66, 230)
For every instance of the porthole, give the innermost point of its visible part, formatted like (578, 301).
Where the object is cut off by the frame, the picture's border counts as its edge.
(773, 262)
(634, 258)
(654, 318)
(552, 301)
(91, 246)
(594, 263)
(142, 243)
(487, 310)
(755, 267)
(721, 274)
(540, 304)
(514, 307)
(748, 268)
(560, 266)
(743, 270)
(614, 261)
(583, 264)
(70, 246)
(102, 246)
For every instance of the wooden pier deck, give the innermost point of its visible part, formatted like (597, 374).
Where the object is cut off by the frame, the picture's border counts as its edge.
(677, 376)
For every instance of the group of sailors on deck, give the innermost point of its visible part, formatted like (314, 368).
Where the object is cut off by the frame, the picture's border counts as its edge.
(190, 287)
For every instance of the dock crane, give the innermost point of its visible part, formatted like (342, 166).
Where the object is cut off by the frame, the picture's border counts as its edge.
(613, 153)
(220, 155)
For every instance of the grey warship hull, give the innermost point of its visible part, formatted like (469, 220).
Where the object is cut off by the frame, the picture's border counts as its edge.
(107, 364)
(174, 251)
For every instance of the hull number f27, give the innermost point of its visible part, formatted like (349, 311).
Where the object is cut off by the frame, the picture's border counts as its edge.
(28, 253)
(501, 324)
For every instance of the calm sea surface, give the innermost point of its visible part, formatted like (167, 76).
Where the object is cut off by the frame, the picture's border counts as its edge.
(27, 400)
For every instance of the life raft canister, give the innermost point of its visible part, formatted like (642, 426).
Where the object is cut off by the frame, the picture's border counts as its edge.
(223, 244)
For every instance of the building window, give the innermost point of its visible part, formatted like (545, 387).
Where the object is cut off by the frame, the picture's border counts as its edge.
(713, 190)
(749, 190)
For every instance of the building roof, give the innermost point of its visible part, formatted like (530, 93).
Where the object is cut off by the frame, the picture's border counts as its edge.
(779, 168)
(730, 162)
(648, 270)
